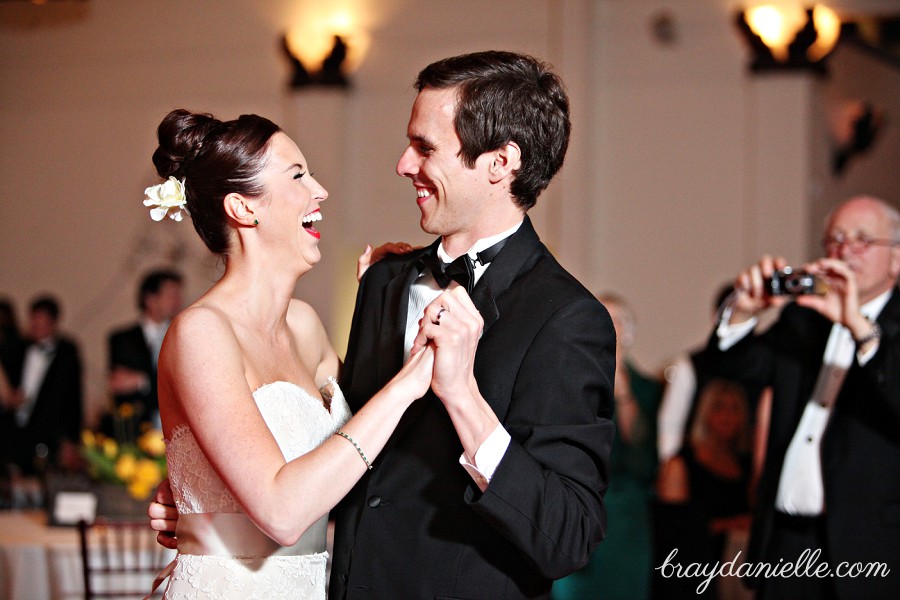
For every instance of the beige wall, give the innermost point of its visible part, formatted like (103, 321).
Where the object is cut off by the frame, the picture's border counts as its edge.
(682, 168)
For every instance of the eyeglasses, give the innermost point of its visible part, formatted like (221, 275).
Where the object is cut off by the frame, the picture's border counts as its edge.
(856, 245)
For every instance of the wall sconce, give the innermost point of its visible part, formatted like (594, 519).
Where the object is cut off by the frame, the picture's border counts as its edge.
(325, 49)
(330, 73)
(788, 36)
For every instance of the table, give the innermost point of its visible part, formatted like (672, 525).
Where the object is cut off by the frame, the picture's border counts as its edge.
(38, 561)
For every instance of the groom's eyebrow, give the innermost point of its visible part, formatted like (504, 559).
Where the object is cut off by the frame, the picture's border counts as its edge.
(421, 140)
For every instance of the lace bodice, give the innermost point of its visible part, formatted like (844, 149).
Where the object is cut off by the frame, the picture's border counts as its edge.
(298, 421)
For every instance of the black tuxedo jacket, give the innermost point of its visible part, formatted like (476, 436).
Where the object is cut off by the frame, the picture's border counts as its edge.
(417, 526)
(57, 412)
(860, 448)
(129, 348)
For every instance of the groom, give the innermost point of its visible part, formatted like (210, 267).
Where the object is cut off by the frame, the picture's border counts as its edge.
(492, 486)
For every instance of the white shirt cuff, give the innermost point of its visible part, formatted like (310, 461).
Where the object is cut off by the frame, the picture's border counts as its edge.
(729, 335)
(681, 382)
(487, 457)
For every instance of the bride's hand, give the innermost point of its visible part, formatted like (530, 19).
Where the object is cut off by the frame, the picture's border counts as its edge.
(164, 516)
(371, 256)
(414, 378)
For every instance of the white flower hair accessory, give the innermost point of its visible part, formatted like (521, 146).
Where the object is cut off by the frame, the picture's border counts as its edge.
(166, 198)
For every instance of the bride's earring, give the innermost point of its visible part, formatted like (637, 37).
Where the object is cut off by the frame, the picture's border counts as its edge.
(255, 222)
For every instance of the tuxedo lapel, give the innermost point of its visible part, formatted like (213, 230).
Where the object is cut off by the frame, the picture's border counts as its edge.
(393, 321)
(143, 353)
(393, 338)
(889, 319)
(813, 334)
(505, 267)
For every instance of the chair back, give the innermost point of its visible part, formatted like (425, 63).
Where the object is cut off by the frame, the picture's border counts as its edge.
(120, 559)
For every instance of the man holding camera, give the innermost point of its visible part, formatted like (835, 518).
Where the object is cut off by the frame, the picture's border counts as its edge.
(829, 495)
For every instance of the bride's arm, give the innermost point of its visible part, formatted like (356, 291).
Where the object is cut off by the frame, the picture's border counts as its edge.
(201, 366)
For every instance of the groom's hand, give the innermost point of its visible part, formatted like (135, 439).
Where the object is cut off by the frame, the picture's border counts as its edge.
(164, 516)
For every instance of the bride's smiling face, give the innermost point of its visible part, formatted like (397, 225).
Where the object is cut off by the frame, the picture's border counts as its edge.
(293, 196)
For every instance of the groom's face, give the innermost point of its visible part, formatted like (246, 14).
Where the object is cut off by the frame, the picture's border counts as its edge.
(448, 193)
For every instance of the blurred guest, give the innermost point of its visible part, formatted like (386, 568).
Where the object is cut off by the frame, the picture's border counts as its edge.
(621, 565)
(829, 486)
(10, 341)
(10, 348)
(10, 337)
(133, 350)
(703, 492)
(43, 416)
(685, 377)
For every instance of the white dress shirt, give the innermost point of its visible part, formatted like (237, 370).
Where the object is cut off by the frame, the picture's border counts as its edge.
(38, 357)
(422, 292)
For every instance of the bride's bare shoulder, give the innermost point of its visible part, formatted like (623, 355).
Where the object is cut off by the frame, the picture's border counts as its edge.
(201, 322)
(303, 316)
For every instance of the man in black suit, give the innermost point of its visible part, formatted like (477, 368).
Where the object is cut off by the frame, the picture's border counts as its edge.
(133, 350)
(492, 485)
(43, 418)
(830, 485)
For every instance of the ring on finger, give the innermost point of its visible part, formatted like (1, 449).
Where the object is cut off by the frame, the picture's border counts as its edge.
(437, 317)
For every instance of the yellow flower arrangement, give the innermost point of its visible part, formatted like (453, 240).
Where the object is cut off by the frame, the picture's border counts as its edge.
(139, 464)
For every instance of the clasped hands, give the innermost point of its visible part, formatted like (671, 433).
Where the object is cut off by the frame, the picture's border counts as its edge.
(442, 356)
(451, 326)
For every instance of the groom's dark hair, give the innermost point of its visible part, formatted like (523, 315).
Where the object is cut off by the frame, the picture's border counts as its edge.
(507, 97)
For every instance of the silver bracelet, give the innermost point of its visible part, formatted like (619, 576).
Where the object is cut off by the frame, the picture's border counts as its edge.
(362, 454)
(874, 334)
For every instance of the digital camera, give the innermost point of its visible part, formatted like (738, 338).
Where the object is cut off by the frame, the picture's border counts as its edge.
(788, 282)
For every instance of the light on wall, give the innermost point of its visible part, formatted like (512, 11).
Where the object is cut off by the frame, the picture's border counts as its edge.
(789, 35)
(325, 48)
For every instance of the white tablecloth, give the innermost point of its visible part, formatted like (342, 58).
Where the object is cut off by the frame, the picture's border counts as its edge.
(39, 562)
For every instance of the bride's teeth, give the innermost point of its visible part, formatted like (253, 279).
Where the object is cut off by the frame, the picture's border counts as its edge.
(312, 217)
(422, 193)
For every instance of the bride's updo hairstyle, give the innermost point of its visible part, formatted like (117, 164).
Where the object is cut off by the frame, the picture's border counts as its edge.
(215, 158)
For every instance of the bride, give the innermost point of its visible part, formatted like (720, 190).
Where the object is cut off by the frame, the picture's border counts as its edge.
(260, 442)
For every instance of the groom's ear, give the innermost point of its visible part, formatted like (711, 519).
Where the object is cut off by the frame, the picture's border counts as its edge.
(505, 160)
(238, 209)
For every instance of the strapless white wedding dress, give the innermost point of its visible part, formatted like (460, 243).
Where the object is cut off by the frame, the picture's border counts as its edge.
(222, 555)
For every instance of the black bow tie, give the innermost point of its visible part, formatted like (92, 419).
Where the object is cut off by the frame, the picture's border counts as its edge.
(461, 270)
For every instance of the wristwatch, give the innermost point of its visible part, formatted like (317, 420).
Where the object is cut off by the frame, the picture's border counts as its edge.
(874, 333)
